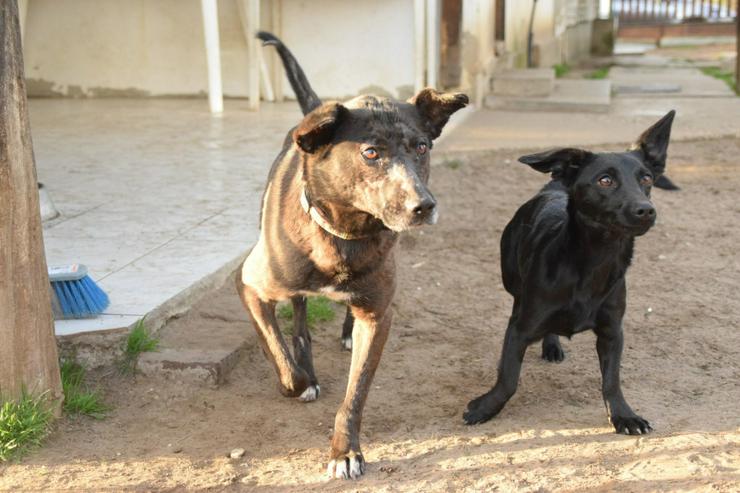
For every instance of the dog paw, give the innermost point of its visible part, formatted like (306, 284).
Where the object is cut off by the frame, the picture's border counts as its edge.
(632, 425)
(347, 343)
(553, 353)
(310, 394)
(350, 466)
(481, 409)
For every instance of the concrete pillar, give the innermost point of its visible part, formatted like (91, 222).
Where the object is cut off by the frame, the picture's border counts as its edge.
(433, 28)
(213, 55)
(419, 45)
(249, 13)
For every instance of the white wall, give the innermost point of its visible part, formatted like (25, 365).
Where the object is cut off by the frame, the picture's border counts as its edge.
(155, 47)
(347, 47)
(106, 47)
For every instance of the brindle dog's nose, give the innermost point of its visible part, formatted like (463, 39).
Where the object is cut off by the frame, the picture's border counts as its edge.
(425, 207)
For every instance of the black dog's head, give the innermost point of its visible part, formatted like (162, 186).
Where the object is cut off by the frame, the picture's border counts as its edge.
(611, 190)
(372, 154)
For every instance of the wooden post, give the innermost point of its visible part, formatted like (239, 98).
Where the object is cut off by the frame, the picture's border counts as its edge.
(28, 351)
(737, 48)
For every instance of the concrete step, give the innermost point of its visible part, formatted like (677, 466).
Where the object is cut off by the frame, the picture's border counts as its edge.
(198, 366)
(568, 95)
(524, 82)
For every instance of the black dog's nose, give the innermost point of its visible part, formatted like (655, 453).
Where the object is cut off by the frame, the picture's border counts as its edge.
(425, 207)
(644, 211)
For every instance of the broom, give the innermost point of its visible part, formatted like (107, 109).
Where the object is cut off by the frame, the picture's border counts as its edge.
(75, 294)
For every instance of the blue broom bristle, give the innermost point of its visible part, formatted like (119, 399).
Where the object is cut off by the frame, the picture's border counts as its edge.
(81, 298)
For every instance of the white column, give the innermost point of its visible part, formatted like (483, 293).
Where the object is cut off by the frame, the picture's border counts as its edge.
(419, 45)
(213, 55)
(22, 13)
(433, 27)
(249, 14)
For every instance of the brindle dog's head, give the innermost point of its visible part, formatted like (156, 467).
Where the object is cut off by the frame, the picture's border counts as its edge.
(371, 154)
(611, 190)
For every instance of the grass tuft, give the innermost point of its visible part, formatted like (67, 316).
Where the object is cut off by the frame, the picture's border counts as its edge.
(452, 163)
(599, 73)
(139, 341)
(724, 75)
(319, 309)
(561, 69)
(78, 399)
(23, 424)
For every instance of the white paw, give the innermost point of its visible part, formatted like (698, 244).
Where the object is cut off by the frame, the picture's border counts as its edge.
(347, 343)
(351, 467)
(310, 394)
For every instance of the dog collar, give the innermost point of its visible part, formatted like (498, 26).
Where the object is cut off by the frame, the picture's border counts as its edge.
(319, 219)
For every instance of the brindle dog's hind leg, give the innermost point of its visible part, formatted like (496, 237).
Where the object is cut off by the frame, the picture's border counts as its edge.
(293, 379)
(302, 347)
(349, 322)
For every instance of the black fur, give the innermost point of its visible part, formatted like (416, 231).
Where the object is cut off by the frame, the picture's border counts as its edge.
(564, 256)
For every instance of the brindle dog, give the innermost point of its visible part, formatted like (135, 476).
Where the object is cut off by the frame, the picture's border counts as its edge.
(349, 178)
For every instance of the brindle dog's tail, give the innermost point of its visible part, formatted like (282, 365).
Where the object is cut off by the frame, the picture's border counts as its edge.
(307, 98)
(665, 183)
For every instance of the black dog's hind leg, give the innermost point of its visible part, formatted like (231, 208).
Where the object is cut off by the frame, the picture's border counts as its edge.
(349, 322)
(491, 403)
(302, 347)
(551, 349)
(609, 343)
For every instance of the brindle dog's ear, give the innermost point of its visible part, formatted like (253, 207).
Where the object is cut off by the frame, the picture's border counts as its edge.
(653, 143)
(318, 127)
(436, 108)
(562, 163)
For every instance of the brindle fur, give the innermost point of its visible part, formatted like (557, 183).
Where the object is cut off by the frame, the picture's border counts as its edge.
(294, 257)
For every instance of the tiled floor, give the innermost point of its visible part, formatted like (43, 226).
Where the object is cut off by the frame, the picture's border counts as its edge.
(154, 195)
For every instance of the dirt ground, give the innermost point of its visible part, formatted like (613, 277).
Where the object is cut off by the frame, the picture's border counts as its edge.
(680, 370)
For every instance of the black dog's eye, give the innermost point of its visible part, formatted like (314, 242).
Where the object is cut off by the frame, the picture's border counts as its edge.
(421, 148)
(646, 180)
(606, 181)
(371, 154)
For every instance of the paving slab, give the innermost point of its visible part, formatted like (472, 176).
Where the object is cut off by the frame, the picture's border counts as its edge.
(524, 82)
(690, 81)
(156, 197)
(567, 95)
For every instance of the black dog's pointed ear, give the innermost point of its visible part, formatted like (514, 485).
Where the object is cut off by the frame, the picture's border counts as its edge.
(653, 143)
(436, 108)
(562, 163)
(318, 127)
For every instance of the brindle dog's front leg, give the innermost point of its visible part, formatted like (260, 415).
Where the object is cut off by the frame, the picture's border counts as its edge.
(293, 379)
(368, 338)
(302, 347)
(349, 323)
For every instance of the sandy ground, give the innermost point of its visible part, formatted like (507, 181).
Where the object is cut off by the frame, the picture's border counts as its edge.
(680, 371)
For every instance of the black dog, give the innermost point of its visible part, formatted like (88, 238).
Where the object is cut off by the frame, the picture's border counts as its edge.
(349, 178)
(564, 256)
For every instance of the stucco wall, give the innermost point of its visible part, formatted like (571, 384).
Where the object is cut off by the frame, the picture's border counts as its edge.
(156, 48)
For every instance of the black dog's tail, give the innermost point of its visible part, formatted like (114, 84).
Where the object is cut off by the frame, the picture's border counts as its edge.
(665, 183)
(307, 98)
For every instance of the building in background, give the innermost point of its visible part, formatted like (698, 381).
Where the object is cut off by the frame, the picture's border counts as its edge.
(157, 48)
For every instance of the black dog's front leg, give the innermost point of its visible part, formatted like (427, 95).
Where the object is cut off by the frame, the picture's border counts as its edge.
(492, 402)
(609, 344)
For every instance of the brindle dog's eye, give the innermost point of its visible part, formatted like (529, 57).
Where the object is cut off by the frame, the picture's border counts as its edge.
(421, 148)
(371, 154)
(646, 180)
(606, 181)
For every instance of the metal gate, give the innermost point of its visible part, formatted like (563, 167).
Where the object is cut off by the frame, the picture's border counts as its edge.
(674, 11)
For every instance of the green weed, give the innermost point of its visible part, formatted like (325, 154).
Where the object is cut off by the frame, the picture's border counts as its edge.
(23, 424)
(452, 163)
(139, 341)
(561, 69)
(599, 73)
(319, 309)
(78, 399)
(724, 75)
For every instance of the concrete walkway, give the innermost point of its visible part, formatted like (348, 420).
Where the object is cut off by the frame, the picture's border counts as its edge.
(157, 198)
